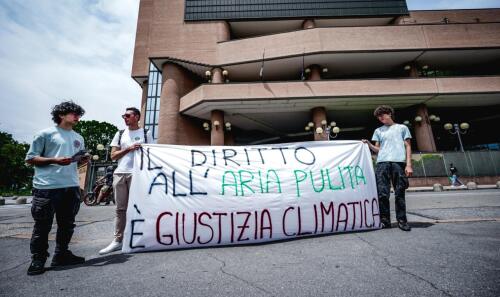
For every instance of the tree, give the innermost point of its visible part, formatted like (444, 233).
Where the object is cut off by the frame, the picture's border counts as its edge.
(94, 133)
(15, 174)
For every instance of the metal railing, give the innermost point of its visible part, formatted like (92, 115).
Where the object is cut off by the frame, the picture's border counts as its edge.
(469, 163)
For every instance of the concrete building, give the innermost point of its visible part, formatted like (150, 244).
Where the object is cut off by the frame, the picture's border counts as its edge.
(268, 71)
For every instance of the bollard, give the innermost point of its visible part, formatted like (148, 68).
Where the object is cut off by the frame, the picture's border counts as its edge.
(2, 201)
(21, 200)
(471, 186)
(437, 187)
(498, 184)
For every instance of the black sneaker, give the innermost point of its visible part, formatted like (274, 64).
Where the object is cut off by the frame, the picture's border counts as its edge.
(37, 266)
(404, 226)
(385, 225)
(65, 259)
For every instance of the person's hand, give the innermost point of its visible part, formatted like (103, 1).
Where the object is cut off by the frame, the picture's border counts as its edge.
(408, 170)
(134, 147)
(63, 161)
(364, 140)
(84, 160)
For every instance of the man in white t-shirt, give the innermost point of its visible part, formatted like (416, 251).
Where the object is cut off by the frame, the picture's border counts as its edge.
(123, 147)
(393, 146)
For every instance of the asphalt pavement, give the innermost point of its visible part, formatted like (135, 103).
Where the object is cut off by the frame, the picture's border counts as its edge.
(452, 250)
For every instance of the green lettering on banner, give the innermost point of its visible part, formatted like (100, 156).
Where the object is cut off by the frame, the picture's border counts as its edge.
(297, 180)
(322, 182)
(277, 181)
(333, 187)
(358, 172)
(233, 184)
(350, 176)
(243, 183)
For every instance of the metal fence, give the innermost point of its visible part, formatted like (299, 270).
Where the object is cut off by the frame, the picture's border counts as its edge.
(470, 163)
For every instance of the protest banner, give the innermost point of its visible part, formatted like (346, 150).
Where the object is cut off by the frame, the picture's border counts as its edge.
(195, 196)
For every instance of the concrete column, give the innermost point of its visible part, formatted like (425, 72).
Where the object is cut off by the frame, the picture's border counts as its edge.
(217, 132)
(174, 128)
(308, 24)
(223, 32)
(413, 71)
(319, 115)
(144, 100)
(315, 73)
(217, 76)
(423, 131)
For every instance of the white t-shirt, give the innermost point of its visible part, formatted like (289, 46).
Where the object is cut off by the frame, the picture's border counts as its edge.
(126, 163)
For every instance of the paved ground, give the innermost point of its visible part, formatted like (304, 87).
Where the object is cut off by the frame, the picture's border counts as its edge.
(453, 250)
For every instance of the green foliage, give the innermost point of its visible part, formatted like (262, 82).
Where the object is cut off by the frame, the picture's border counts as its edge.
(15, 174)
(94, 133)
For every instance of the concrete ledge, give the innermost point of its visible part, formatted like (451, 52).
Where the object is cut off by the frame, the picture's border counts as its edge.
(450, 188)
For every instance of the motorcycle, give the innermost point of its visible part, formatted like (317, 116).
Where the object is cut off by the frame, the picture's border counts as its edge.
(102, 192)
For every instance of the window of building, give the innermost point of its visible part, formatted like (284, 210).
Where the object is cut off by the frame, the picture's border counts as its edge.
(153, 101)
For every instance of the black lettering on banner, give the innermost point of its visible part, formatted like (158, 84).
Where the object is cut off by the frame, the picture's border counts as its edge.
(191, 191)
(228, 158)
(302, 161)
(281, 151)
(246, 153)
(154, 183)
(260, 153)
(193, 152)
(132, 222)
(175, 194)
(149, 161)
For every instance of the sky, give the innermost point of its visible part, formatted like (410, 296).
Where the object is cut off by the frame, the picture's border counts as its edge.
(81, 50)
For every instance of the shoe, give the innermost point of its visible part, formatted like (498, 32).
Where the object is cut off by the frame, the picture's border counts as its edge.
(404, 226)
(112, 247)
(385, 225)
(37, 266)
(65, 259)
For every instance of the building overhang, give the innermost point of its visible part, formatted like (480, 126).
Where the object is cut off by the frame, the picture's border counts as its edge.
(285, 106)
(352, 51)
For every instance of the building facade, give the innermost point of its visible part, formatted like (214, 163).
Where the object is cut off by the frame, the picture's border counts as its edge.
(238, 72)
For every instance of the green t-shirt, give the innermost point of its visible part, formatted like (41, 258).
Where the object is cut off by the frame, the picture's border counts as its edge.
(50, 143)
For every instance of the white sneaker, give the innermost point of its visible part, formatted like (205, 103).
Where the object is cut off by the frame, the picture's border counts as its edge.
(112, 247)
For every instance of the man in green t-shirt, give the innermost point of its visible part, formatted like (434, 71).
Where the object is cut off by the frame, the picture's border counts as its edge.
(54, 153)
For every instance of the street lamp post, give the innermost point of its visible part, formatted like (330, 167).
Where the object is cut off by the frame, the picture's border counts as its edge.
(101, 147)
(457, 130)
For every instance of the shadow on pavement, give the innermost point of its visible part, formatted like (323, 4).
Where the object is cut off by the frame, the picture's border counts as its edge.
(418, 225)
(102, 261)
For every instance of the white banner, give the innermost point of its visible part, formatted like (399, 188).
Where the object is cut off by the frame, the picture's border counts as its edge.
(192, 196)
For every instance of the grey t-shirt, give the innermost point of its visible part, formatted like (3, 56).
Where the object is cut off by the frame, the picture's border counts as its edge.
(51, 143)
(391, 139)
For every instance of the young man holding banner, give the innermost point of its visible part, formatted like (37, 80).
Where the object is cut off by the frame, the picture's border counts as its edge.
(393, 146)
(123, 146)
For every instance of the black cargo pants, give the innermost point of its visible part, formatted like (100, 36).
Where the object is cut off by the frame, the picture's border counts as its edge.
(387, 173)
(65, 204)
